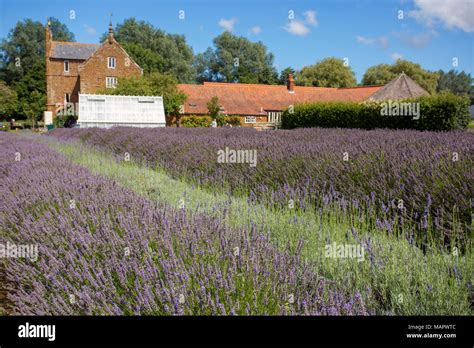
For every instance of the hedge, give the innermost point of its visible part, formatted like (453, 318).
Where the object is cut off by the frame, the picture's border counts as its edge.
(230, 120)
(195, 121)
(205, 121)
(444, 111)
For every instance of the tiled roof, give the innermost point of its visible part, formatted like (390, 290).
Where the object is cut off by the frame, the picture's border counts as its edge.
(400, 87)
(255, 99)
(72, 50)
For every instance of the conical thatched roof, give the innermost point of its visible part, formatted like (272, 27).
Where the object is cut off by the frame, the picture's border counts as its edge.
(399, 88)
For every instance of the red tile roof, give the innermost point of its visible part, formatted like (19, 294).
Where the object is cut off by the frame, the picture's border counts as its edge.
(255, 99)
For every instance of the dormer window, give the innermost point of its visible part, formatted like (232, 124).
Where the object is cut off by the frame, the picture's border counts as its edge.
(111, 62)
(66, 66)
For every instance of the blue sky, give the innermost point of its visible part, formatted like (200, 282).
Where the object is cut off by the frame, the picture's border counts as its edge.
(433, 33)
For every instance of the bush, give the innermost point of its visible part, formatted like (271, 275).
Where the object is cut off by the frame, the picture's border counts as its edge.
(205, 121)
(61, 121)
(444, 111)
(231, 120)
(195, 121)
(5, 126)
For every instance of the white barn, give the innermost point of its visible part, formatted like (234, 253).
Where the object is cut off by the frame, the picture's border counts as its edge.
(104, 111)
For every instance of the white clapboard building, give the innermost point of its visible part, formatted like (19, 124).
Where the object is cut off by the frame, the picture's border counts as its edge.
(104, 111)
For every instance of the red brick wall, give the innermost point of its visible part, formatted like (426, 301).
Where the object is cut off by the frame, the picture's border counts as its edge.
(58, 82)
(95, 71)
(171, 120)
(258, 119)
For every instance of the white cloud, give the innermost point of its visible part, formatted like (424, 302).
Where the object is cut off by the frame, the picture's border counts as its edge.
(301, 27)
(227, 24)
(256, 30)
(296, 27)
(310, 17)
(90, 30)
(451, 13)
(381, 41)
(396, 56)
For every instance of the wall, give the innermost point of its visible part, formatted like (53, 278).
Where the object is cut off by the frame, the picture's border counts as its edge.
(95, 70)
(59, 82)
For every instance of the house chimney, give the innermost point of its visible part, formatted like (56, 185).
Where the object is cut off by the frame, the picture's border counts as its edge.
(290, 85)
(48, 38)
(47, 52)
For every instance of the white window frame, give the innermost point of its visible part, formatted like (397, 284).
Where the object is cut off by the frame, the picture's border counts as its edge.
(274, 117)
(248, 118)
(111, 62)
(67, 64)
(111, 82)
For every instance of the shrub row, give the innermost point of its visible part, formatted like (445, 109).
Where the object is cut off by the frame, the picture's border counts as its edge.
(441, 112)
(205, 121)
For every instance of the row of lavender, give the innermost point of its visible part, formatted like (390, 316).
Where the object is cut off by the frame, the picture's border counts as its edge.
(398, 178)
(101, 249)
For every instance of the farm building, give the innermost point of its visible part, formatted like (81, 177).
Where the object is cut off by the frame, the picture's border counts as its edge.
(73, 68)
(399, 88)
(262, 105)
(104, 111)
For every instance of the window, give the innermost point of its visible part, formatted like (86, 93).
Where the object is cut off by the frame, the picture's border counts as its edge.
(66, 66)
(111, 62)
(67, 98)
(274, 116)
(250, 119)
(111, 82)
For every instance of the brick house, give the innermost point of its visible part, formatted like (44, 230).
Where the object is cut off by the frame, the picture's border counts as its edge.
(261, 105)
(73, 68)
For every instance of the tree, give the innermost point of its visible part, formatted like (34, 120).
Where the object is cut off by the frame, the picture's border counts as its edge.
(283, 79)
(8, 101)
(213, 108)
(33, 106)
(31, 92)
(383, 73)
(458, 83)
(155, 84)
(236, 59)
(330, 72)
(378, 75)
(25, 46)
(149, 61)
(172, 54)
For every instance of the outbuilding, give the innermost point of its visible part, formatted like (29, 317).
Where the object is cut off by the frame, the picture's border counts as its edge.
(105, 111)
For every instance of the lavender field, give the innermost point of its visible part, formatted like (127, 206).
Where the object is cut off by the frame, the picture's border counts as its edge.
(149, 222)
(104, 250)
(417, 181)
